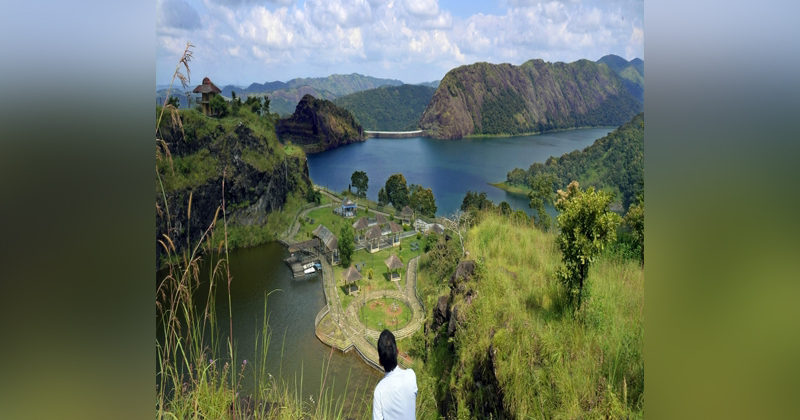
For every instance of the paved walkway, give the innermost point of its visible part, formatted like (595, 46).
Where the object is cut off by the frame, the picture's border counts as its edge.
(355, 333)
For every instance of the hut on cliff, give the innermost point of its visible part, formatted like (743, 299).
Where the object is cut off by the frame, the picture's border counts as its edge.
(208, 90)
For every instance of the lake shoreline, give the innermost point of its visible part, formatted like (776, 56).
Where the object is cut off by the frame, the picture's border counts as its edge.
(513, 189)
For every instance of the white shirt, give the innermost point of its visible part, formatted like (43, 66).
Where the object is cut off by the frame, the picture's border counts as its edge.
(396, 395)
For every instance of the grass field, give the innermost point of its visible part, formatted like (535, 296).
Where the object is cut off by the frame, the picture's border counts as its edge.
(547, 361)
(380, 280)
(378, 314)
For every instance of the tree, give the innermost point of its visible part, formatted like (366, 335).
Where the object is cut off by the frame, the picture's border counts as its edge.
(219, 106)
(397, 191)
(174, 101)
(635, 220)
(422, 200)
(265, 106)
(505, 208)
(477, 201)
(346, 245)
(254, 103)
(313, 196)
(586, 228)
(541, 193)
(360, 180)
(383, 198)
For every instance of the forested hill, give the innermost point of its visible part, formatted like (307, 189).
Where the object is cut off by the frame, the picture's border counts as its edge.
(335, 84)
(318, 125)
(614, 162)
(537, 96)
(631, 72)
(388, 108)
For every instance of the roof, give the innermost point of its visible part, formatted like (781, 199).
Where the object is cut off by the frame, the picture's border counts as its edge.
(374, 232)
(327, 238)
(309, 244)
(361, 223)
(206, 87)
(407, 212)
(436, 228)
(348, 202)
(381, 219)
(351, 275)
(395, 227)
(393, 262)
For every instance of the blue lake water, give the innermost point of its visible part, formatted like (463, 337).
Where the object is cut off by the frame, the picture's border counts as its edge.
(449, 167)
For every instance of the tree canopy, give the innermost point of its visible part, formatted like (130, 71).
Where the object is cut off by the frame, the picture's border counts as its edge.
(586, 228)
(346, 244)
(360, 180)
(397, 191)
(422, 200)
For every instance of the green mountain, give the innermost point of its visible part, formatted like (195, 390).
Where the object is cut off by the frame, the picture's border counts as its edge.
(614, 162)
(318, 125)
(261, 176)
(284, 101)
(631, 72)
(535, 97)
(388, 108)
(343, 84)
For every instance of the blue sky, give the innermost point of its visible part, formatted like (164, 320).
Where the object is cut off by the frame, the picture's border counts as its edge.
(245, 41)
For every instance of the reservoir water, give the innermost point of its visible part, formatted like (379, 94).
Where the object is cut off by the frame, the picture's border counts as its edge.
(448, 167)
(292, 305)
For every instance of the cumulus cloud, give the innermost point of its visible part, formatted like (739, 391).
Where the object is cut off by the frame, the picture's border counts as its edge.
(412, 40)
(177, 14)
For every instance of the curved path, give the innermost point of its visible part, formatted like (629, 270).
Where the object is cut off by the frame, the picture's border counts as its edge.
(355, 334)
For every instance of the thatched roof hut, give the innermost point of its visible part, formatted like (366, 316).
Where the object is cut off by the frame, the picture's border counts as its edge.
(207, 87)
(374, 233)
(351, 275)
(407, 213)
(361, 224)
(393, 263)
(381, 219)
(395, 227)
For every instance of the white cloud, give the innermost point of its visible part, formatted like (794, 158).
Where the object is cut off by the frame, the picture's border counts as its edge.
(411, 40)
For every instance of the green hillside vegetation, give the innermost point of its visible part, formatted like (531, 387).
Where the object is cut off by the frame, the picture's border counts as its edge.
(535, 97)
(513, 348)
(261, 178)
(631, 72)
(614, 163)
(318, 125)
(388, 108)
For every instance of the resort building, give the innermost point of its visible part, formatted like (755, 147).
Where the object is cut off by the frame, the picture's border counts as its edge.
(329, 245)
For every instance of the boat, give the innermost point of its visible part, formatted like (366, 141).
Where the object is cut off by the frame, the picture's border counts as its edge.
(309, 270)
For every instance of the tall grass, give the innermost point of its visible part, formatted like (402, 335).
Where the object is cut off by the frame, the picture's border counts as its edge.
(198, 376)
(520, 352)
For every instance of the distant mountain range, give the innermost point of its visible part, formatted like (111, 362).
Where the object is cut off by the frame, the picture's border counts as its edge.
(631, 72)
(535, 97)
(388, 108)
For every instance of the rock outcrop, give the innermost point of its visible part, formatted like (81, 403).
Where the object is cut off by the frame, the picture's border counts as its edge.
(535, 97)
(318, 125)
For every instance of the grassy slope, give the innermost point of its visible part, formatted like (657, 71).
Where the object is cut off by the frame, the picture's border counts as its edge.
(549, 363)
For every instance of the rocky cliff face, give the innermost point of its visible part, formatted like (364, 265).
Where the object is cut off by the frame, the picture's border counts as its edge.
(258, 177)
(536, 96)
(318, 125)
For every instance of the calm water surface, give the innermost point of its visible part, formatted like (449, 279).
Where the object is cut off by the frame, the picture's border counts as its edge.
(448, 167)
(291, 309)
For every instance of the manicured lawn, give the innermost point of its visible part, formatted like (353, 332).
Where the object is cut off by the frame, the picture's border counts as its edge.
(380, 280)
(383, 313)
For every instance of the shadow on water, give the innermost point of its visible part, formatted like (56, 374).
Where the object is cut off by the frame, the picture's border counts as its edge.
(295, 352)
